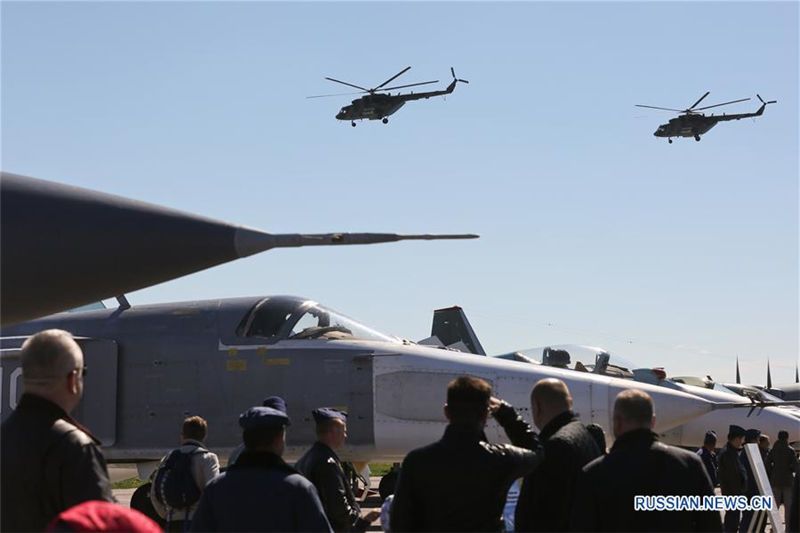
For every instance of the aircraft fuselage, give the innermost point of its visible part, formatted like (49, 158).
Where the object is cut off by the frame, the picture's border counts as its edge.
(696, 124)
(154, 365)
(377, 106)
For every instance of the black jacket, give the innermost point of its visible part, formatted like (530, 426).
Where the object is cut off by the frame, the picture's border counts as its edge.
(546, 496)
(639, 465)
(49, 463)
(731, 473)
(259, 493)
(458, 483)
(709, 459)
(781, 464)
(321, 466)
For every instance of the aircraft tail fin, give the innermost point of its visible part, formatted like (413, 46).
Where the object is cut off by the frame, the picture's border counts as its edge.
(451, 326)
(769, 377)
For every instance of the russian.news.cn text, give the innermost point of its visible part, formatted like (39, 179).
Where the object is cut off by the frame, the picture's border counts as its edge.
(702, 503)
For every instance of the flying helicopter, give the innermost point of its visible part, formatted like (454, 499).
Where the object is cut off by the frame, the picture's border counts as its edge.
(693, 124)
(378, 105)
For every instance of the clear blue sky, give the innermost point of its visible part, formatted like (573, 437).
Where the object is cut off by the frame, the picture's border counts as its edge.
(593, 231)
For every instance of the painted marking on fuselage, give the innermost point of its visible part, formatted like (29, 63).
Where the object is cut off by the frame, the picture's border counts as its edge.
(236, 365)
(276, 362)
(233, 351)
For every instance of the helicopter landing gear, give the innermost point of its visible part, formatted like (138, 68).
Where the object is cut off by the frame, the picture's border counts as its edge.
(697, 138)
(669, 141)
(353, 123)
(385, 120)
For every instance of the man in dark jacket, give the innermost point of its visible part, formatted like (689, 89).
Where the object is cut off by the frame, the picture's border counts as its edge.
(49, 461)
(781, 465)
(709, 456)
(639, 465)
(547, 494)
(731, 474)
(321, 466)
(261, 492)
(460, 482)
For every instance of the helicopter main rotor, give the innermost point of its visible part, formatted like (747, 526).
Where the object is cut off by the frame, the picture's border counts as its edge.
(693, 108)
(380, 87)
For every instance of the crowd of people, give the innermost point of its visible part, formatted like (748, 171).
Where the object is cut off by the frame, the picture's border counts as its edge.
(54, 475)
(731, 470)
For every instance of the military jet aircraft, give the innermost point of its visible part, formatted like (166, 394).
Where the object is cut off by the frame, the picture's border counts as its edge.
(761, 410)
(153, 365)
(786, 392)
(63, 246)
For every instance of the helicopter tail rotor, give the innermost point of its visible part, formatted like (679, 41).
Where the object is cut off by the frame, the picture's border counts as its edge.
(763, 105)
(453, 72)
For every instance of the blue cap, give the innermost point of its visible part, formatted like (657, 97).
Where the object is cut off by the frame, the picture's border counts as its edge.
(328, 413)
(752, 434)
(263, 417)
(276, 402)
(735, 431)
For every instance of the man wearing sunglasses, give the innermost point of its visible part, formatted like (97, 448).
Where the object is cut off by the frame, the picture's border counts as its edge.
(50, 462)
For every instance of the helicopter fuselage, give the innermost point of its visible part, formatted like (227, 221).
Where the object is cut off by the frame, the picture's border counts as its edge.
(371, 107)
(692, 123)
(686, 126)
(696, 124)
(377, 106)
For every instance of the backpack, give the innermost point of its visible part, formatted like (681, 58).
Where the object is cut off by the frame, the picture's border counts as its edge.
(175, 486)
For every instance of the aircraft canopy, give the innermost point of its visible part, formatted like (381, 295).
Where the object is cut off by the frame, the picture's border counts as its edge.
(287, 317)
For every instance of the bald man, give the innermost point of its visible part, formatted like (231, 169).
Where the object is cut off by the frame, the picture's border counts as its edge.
(49, 461)
(547, 493)
(639, 465)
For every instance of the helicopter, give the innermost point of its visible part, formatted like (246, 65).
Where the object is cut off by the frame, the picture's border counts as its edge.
(378, 105)
(692, 124)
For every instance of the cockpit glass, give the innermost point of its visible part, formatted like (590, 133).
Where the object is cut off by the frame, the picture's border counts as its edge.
(282, 318)
(318, 321)
(581, 356)
(769, 397)
(268, 318)
(94, 306)
(748, 392)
